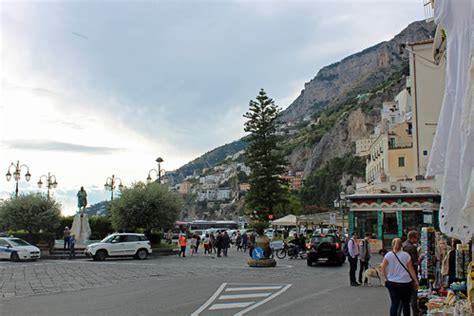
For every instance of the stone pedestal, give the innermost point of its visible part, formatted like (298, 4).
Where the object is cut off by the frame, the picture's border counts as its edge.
(262, 242)
(262, 263)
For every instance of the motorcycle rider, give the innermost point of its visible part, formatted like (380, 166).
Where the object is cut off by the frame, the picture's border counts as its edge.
(296, 243)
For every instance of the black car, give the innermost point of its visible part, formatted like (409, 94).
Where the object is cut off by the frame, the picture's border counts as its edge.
(326, 247)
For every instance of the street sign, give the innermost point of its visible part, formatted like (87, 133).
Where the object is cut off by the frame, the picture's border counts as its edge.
(257, 253)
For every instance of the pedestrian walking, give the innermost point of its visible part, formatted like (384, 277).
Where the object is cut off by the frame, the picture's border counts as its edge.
(213, 243)
(182, 243)
(67, 236)
(410, 246)
(193, 245)
(238, 241)
(219, 243)
(364, 256)
(400, 277)
(72, 246)
(353, 248)
(197, 242)
(225, 243)
(245, 239)
(207, 244)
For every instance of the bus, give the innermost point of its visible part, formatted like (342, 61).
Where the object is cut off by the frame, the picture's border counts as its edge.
(200, 225)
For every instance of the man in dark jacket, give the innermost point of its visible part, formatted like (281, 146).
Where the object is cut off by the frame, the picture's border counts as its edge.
(410, 246)
(219, 243)
(225, 243)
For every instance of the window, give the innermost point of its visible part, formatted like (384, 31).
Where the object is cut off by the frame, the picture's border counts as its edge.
(425, 152)
(412, 220)
(3, 243)
(401, 161)
(392, 142)
(132, 238)
(365, 222)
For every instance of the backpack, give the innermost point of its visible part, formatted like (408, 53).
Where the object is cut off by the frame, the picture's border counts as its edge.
(346, 248)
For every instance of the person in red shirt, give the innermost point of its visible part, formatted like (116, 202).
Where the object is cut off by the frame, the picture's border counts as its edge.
(182, 243)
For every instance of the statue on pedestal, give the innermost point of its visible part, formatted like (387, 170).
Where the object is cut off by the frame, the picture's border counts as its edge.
(80, 225)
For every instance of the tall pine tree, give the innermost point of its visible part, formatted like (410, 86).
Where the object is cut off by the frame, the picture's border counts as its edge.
(267, 164)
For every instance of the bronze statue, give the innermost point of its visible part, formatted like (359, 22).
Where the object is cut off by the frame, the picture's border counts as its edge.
(81, 199)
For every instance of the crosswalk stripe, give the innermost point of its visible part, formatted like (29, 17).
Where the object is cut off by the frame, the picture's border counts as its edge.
(239, 296)
(229, 305)
(243, 312)
(254, 288)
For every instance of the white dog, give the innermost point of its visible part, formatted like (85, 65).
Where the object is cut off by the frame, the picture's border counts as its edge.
(372, 273)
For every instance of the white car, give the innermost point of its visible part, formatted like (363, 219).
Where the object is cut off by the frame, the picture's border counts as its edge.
(269, 232)
(16, 249)
(120, 245)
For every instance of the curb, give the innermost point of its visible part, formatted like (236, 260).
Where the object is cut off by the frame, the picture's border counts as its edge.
(79, 255)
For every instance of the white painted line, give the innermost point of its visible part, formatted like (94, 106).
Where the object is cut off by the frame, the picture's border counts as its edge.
(210, 300)
(239, 296)
(230, 305)
(263, 301)
(253, 288)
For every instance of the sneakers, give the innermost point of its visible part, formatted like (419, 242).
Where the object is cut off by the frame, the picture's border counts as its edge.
(355, 284)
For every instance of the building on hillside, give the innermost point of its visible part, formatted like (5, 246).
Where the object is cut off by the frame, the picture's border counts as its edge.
(427, 90)
(363, 146)
(390, 156)
(295, 182)
(184, 187)
(244, 187)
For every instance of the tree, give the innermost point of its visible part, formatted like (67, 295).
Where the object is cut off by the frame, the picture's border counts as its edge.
(263, 156)
(31, 212)
(145, 207)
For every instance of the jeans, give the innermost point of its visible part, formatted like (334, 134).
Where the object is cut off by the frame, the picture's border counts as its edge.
(413, 303)
(182, 251)
(225, 251)
(72, 251)
(66, 242)
(352, 269)
(399, 293)
(364, 265)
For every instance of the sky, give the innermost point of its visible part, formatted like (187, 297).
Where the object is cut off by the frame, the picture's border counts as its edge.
(94, 88)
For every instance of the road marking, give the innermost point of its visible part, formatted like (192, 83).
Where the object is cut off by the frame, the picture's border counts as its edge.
(230, 305)
(248, 309)
(253, 288)
(244, 292)
(239, 296)
(210, 300)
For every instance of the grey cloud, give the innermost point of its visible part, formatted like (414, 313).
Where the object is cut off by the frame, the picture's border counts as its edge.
(44, 145)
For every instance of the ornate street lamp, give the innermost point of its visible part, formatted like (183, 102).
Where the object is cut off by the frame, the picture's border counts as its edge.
(110, 185)
(158, 172)
(51, 182)
(16, 174)
(342, 203)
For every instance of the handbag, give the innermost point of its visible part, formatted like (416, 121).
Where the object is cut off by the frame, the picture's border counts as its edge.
(413, 281)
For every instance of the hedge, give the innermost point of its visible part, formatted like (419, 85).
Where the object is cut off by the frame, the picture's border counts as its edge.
(41, 240)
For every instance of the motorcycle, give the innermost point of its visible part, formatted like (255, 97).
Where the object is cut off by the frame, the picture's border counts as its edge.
(282, 249)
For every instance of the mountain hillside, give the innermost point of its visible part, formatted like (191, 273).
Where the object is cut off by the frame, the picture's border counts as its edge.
(338, 106)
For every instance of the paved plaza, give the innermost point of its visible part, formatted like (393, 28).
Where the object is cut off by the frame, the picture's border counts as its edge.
(195, 285)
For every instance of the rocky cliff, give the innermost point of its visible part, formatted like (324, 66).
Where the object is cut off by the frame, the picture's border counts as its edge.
(356, 73)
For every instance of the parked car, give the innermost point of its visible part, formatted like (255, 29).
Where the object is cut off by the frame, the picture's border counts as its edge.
(325, 247)
(120, 245)
(16, 249)
(269, 233)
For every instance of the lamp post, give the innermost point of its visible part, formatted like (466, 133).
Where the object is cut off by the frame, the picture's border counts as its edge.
(342, 202)
(110, 185)
(16, 174)
(51, 182)
(159, 172)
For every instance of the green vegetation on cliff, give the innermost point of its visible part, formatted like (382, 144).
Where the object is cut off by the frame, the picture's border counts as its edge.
(323, 185)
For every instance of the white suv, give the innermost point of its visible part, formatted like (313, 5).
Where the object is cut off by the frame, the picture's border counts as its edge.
(120, 245)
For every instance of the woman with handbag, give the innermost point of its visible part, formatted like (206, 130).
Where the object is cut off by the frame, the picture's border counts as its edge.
(400, 277)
